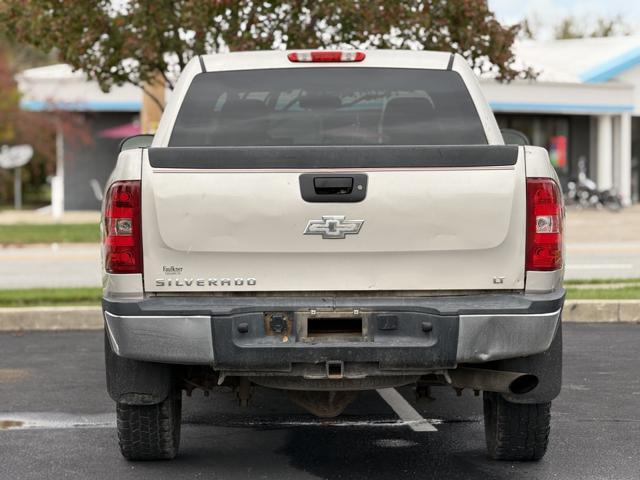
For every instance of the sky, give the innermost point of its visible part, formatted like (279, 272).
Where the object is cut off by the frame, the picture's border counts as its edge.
(549, 12)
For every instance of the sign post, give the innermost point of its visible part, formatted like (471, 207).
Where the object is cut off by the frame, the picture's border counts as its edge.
(16, 157)
(17, 188)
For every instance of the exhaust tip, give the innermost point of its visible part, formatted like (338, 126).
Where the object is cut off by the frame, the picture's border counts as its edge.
(523, 384)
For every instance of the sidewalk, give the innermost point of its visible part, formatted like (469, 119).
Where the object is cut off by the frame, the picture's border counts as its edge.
(602, 226)
(603, 244)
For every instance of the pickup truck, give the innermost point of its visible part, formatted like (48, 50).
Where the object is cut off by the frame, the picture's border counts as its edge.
(328, 222)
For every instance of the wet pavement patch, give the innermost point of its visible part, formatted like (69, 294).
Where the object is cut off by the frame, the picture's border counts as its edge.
(54, 420)
(13, 374)
(7, 424)
(394, 443)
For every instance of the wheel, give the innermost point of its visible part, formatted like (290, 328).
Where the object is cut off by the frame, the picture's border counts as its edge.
(515, 431)
(150, 432)
(613, 204)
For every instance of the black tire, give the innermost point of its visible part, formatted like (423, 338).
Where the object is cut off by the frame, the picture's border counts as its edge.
(516, 431)
(613, 204)
(150, 432)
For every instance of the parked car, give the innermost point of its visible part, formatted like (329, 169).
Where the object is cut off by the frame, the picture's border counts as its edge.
(329, 222)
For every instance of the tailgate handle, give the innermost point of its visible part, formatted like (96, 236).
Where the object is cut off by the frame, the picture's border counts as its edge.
(333, 185)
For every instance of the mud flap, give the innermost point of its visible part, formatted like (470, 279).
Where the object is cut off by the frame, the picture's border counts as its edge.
(547, 366)
(136, 383)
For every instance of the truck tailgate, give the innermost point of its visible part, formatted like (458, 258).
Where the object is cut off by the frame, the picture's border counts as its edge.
(432, 220)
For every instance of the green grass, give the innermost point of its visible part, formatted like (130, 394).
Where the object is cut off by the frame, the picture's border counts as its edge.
(631, 292)
(35, 297)
(601, 281)
(50, 233)
(600, 289)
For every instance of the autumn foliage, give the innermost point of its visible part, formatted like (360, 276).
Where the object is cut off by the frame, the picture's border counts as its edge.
(135, 41)
(37, 129)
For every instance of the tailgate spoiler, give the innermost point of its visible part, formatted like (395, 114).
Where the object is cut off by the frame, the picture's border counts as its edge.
(333, 157)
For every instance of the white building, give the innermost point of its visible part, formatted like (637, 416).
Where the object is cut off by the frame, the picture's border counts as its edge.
(584, 105)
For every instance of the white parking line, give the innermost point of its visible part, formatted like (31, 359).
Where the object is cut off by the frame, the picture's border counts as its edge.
(51, 420)
(405, 411)
(321, 422)
(57, 421)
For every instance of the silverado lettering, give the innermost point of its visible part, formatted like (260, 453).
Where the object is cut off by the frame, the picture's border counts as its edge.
(201, 282)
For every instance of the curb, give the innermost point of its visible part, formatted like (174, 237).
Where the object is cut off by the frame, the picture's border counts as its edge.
(51, 318)
(600, 311)
(90, 318)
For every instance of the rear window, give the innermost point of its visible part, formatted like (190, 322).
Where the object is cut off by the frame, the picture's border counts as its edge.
(327, 106)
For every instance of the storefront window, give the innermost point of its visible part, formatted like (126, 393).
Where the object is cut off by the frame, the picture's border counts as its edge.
(635, 159)
(549, 131)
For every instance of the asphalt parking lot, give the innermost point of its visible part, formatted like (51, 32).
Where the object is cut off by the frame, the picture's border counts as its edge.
(57, 422)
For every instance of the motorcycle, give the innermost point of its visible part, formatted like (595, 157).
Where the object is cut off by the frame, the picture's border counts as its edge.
(584, 192)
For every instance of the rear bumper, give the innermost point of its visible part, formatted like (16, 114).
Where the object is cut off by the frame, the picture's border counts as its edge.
(400, 333)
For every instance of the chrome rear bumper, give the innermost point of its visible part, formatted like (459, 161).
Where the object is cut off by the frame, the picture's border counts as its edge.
(484, 338)
(498, 329)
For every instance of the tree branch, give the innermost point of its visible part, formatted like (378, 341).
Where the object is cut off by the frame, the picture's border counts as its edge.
(155, 99)
(166, 77)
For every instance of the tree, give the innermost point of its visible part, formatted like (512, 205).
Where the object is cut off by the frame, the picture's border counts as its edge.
(568, 28)
(610, 27)
(18, 126)
(138, 40)
(528, 28)
(571, 27)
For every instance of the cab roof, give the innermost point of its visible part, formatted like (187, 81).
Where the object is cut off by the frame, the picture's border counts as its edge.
(279, 59)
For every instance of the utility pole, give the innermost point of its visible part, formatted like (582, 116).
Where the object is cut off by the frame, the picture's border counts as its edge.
(17, 188)
(57, 182)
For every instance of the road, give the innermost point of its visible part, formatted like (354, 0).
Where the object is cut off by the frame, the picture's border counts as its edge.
(603, 260)
(52, 393)
(48, 266)
(79, 265)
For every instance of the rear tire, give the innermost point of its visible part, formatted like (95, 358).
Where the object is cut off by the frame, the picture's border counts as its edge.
(516, 431)
(613, 204)
(150, 432)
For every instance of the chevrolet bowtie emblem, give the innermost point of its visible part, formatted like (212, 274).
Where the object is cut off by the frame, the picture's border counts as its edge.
(333, 226)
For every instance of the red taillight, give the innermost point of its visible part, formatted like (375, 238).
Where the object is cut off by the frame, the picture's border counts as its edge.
(545, 217)
(122, 228)
(326, 56)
